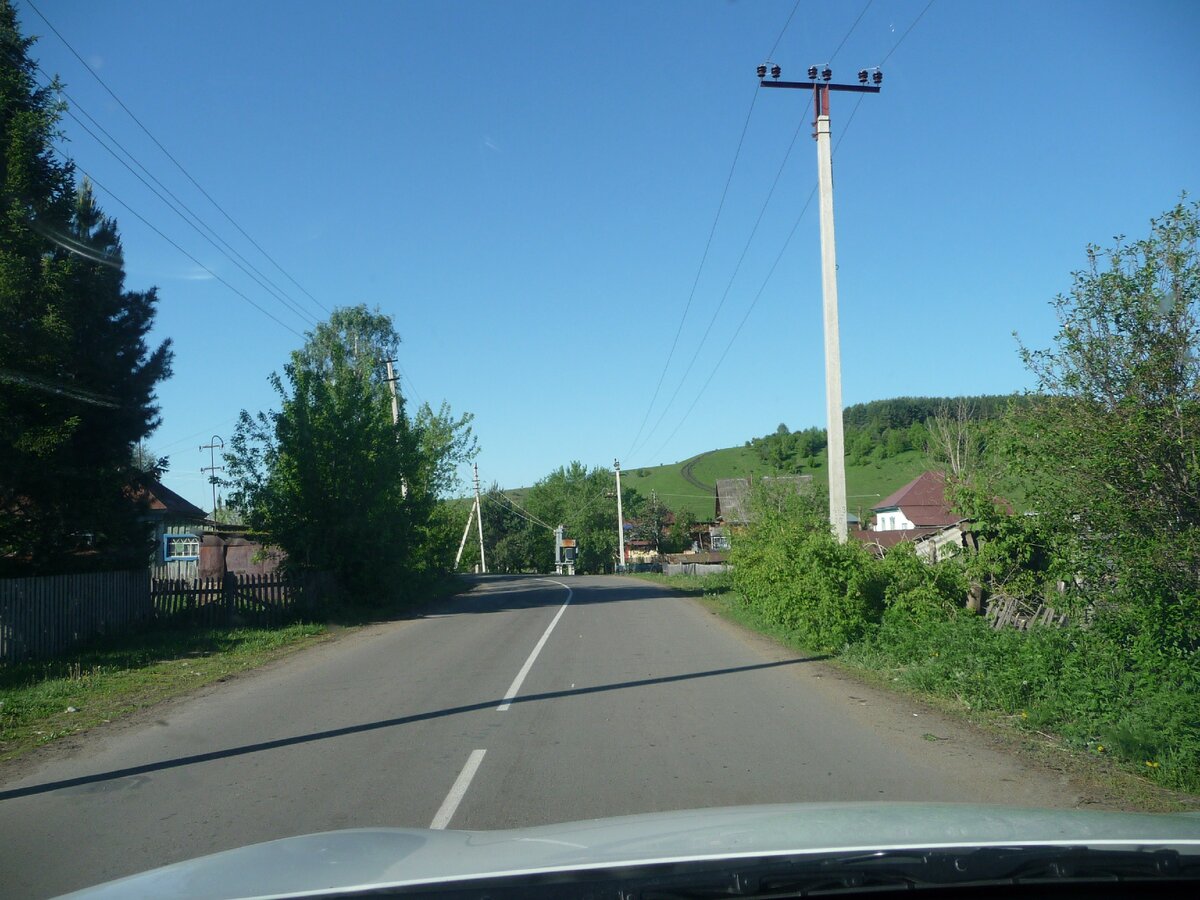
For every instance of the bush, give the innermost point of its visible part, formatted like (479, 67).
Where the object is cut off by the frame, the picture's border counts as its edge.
(1080, 683)
(917, 590)
(789, 567)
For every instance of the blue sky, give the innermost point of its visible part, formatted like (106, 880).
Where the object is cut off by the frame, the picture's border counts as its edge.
(528, 188)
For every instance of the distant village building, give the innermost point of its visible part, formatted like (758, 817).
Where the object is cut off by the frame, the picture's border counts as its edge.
(920, 513)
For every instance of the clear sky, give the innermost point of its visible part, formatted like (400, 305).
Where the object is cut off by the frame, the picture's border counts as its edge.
(528, 190)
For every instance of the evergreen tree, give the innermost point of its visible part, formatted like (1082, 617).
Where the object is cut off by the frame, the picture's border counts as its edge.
(78, 374)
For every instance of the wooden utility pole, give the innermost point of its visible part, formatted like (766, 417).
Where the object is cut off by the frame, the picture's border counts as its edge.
(833, 353)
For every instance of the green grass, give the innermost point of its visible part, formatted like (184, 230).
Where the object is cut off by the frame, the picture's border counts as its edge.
(43, 701)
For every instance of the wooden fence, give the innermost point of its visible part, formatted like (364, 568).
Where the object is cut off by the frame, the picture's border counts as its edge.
(1010, 612)
(269, 599)
(46, 615)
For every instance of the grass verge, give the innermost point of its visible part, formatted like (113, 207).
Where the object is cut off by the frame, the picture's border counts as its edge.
(98, 683)
(1108, 781)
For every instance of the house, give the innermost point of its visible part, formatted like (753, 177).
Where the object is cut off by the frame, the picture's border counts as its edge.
(917, 512)
(178, 526)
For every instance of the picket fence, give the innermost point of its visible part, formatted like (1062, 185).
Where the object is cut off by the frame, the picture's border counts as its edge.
(237, 599)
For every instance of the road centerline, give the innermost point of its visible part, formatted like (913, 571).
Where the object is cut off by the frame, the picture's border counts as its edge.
(520, 679)
(457, 791)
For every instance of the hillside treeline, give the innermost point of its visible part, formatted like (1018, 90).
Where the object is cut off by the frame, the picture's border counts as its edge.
(883, 428)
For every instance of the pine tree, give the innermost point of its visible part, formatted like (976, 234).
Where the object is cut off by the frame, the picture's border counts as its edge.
(77, 372)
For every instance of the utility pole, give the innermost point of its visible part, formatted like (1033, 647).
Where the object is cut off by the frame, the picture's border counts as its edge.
(391, 380)
(463, 543)
(833, 353)
(479, 520)
(212, 467)
(620, 521)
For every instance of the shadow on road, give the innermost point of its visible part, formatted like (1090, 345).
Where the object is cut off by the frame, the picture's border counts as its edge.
(246, 749)
(498, 593)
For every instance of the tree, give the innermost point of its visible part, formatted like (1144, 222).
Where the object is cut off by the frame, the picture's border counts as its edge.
(585, 503)
(331, 480)
(955, 441)
(653, 522)
(79, 375)
(1111, 448)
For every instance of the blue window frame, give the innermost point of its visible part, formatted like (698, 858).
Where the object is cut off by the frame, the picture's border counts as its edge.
(180, 547)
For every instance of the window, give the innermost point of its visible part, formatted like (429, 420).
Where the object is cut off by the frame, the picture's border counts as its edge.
(180, 546)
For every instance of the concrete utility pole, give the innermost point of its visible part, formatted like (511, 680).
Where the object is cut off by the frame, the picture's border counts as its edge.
(833, 353)
(479, 519)
(620, 521)
(391, 380)
(212, 467)
(463, 543)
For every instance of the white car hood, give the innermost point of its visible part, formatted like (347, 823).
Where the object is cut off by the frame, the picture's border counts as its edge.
(337, 861)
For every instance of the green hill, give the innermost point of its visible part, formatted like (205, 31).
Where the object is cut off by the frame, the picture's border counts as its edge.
(691, 484)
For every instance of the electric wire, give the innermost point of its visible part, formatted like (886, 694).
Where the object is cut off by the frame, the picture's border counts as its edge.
(708, 243)
(160, 233)
(636, 445)
(699, 270)
(263, 280)
(851, 31)
(782, 31)
(306, 317)
(920, 16)
(728, 287)
(845, 129)
(520, 511)
(171, 157)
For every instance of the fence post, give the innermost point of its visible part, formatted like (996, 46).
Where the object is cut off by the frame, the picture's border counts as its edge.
(229, 586)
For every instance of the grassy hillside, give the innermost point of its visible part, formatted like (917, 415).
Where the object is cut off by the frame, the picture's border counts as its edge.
(866, 484)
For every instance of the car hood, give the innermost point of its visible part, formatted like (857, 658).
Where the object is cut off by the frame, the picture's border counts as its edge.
(337, 861)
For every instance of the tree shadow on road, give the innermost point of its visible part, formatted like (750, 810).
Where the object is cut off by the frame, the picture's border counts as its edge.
(312, 737)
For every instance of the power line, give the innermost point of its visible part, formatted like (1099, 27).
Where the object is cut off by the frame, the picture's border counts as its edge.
(699, 269)
(783, 30)
(527, 516)
(156, 230)
(749, 309)
(906, 32)
(169, 156)
(635, 445)
(851, 31)
(307, 318)
(273, 288)
(787, 241)
(728, 287)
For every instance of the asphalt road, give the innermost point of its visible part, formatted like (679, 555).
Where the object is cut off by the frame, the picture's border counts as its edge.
(506, 706)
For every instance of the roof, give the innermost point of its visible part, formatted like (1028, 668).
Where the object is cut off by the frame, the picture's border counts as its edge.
(733, 495)
(162, 499)
(886, 540)
(923, 501)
